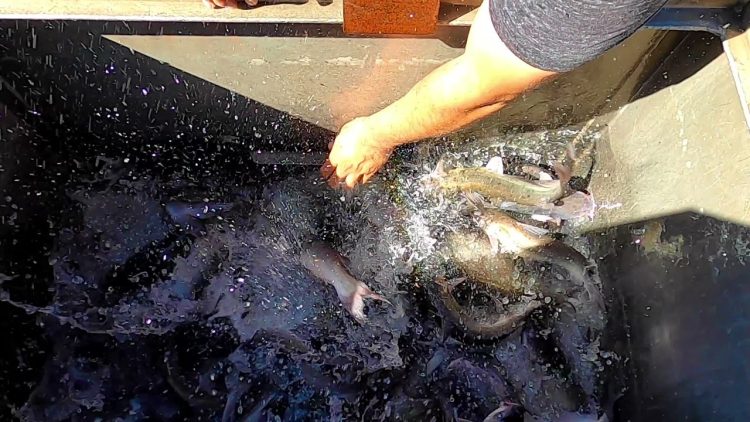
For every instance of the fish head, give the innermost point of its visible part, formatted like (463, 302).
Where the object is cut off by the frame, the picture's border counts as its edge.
(508, 235)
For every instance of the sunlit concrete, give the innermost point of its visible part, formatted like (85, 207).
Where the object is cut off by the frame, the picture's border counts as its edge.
(683, 148)
(328, 81)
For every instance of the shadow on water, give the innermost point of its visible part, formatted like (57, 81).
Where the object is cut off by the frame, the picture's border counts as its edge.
(685, 296)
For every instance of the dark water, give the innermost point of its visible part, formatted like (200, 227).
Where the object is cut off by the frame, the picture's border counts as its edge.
(143, 311)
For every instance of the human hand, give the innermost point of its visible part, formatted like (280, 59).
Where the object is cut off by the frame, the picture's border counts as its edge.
(229, 3)
(356, 155)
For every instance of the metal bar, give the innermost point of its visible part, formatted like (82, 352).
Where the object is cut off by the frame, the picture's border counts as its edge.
(713, 20)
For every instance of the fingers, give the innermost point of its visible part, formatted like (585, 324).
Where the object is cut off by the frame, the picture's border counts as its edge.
(351, 180)
(335, 177)
(327, 170)
(334, 182)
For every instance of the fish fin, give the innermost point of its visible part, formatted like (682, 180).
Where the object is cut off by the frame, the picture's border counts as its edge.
(538, 231)
(440, 169)
(355, 303)
(494, 244)
(432, 179)
(541, 217)
(379, 297)
(475, 200)
(346, 262)
(564, 173)
(536, 172)
(449, 285)
(495, 164)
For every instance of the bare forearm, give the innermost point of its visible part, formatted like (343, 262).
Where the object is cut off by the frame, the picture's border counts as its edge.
(479, 82)
(446, 100)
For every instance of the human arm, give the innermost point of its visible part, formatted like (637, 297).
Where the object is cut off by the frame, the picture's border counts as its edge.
(474, 85)
(513, 46)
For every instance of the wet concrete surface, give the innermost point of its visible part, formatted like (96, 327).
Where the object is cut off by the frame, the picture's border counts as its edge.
(336, 79)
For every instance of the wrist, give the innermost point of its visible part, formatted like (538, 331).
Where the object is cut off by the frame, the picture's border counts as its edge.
(383, 133)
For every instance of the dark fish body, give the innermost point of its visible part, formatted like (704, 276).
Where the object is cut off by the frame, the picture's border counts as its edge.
(500, 187)
(573, 339)
(329, 266)
(497, 326)
(187, 212)
(477, 388)
(540, 389)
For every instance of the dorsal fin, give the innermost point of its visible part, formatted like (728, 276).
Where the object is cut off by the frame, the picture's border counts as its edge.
(495, 164)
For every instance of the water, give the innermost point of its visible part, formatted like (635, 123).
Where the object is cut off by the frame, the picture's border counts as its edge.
(124, 269)
(120, 312)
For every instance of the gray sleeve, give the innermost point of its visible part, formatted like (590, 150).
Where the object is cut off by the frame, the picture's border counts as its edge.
(560, 35)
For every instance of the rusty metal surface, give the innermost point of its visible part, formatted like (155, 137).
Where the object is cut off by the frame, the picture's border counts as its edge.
(386, 17)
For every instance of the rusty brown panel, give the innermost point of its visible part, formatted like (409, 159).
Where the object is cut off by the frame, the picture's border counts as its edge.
(391, 17)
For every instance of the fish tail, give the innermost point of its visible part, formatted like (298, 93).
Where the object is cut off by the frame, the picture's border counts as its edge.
(432, 180)
(355, 306)
(440, 169)
(377, 296)
(564, 173)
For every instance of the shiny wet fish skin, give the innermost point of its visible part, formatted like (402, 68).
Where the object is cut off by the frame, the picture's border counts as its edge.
(575, 206)
(329, 266)
(504, 233)
(472, 254)
(495, 186)
(501, 326)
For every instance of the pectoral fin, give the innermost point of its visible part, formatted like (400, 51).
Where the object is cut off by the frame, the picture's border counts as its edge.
(537, 231)
(496, 165)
